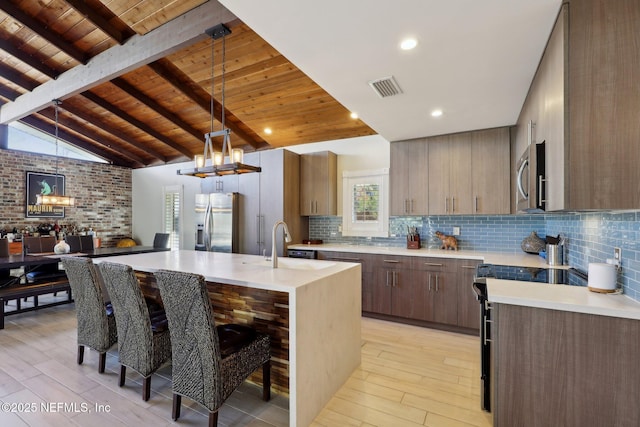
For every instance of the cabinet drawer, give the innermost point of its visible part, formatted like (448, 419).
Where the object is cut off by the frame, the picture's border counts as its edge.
(392, 261)
(433, 264)
(365, 260)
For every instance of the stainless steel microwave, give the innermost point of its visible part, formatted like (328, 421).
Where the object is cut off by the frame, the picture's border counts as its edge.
(530, 180)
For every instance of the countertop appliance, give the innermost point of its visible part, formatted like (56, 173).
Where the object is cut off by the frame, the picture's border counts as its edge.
(554, 276)
(217, 222)
(530, 180)
(302, 253)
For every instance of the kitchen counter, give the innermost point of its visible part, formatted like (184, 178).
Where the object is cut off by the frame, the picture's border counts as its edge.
(522, 259)
(317, 315)
(562, 297)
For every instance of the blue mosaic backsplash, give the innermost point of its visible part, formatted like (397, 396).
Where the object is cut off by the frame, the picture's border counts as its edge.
(589, 237)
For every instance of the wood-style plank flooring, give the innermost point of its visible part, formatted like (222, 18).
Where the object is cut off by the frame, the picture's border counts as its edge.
(409, 376)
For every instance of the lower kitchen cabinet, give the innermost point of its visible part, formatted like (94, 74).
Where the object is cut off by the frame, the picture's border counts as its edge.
(435, 278)
(366, 267)
(390, 283)
(468, 307)
(561, 368)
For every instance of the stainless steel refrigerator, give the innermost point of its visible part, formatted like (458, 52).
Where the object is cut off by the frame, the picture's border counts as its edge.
(217, 222)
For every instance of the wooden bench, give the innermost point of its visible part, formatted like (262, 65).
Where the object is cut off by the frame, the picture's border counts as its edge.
(18, 291)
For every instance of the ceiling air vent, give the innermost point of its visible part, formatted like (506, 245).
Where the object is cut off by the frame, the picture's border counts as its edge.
(385, 87)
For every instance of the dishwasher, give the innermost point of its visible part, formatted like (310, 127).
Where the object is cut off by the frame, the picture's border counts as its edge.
(302, 253)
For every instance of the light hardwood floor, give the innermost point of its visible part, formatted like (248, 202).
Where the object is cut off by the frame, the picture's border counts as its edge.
(409, 376)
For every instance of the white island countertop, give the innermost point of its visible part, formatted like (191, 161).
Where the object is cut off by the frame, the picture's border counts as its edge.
(578, 299)
(235, 269)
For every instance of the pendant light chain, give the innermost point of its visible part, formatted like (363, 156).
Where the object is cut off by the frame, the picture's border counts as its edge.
(211, 109)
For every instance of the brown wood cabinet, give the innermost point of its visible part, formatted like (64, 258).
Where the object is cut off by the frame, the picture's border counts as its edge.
(468, 306)
(450, 174)
(366, 262)
(490, 172)
(435, 280)
(408, 178)
(391, 286)
(318, 183)
(558, 368)
(584, 103)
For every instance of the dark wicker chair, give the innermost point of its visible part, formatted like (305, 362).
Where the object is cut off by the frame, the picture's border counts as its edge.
(96, 322)
(208, 362)
(144, 344)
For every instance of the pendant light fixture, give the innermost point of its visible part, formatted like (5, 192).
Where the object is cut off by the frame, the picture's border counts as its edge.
(216, 159)
(55, 199)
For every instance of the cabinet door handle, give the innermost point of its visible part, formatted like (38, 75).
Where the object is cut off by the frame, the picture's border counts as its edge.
(411, 210)
(258, 229)
(391, 261)
(430, 282)
(433, 264)
(446, 204)
(475, 204)
(387, 284)
(437, 282)
(406, 210)
(469, 267)
(395, 278)
(453, 205)
(485, 322)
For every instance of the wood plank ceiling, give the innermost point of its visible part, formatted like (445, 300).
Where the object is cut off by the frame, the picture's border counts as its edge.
(159, 112)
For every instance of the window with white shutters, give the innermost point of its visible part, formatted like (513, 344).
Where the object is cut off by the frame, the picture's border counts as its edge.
(172, 215)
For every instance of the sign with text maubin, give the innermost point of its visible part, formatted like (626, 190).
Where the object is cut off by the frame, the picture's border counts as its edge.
(43, 183)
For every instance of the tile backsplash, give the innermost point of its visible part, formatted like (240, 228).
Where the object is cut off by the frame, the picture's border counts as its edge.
(589, 237)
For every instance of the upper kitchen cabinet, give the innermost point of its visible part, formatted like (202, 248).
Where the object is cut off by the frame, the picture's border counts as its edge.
(490, 172)
(590, 126)
(450, 189)
(408, 178)
(267, 197)
(318, 183)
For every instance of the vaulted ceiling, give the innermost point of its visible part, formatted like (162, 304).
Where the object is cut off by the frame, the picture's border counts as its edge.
(135, 80)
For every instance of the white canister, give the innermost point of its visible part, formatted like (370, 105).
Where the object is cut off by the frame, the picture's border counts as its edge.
(602, 277)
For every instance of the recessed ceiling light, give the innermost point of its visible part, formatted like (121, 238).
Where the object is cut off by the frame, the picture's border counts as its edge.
(354, 115)
(408, 44)
(436, 113)
(268, 131)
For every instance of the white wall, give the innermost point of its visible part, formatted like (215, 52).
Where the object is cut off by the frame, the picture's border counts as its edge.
(147, 189)
(367, 152)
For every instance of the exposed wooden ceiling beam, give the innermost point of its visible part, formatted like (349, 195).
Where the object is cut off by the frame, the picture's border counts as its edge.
(137, 123)
(93, 136)
(120, 59)
(43, 31)
(72, 139)
(8, 93)
(30, 60)
(155, 106)
(18, 78)
(89, 12)
(179, 80)
(82, 114)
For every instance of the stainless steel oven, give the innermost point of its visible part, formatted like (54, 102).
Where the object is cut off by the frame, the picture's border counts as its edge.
(530, 179)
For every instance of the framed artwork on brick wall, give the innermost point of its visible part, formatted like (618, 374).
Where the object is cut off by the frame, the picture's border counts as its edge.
(43, 183)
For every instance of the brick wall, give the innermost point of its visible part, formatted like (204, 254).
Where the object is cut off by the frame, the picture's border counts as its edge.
(102, 192)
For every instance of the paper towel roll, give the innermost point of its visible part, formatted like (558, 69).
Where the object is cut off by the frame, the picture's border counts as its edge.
(602, 277)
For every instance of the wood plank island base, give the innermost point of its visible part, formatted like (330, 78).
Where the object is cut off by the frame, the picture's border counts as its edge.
(310, 309)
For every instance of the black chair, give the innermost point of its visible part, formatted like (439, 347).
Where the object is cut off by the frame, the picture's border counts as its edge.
(143, 339)
(73, 242)
(86, 243)
(40, 273)
(161, 240)
(96, 322)
(208, 362)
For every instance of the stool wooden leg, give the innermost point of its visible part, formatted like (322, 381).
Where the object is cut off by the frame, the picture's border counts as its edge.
(266, 381)
(213, 419)
(123, 374)
(102, 361)
(80, 354)
(175, 410)
(146, 388)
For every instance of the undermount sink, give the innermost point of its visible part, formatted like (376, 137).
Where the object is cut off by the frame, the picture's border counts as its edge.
(293, 264)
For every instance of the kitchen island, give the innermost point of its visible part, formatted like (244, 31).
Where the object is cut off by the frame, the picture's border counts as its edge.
(310, 309)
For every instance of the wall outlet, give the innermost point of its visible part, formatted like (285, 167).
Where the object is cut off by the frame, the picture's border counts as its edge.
(456, 231)
(617, 255)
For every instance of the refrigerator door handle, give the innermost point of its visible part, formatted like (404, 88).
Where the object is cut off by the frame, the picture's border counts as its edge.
(207, 227)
